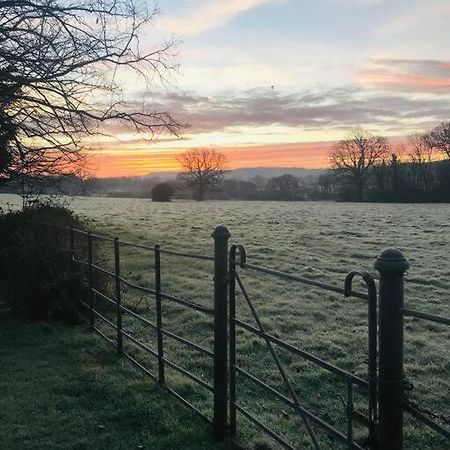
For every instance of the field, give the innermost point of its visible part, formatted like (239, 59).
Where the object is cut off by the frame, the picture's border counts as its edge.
(323, 241)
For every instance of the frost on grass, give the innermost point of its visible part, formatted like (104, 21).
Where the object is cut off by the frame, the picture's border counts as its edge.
(318, 240)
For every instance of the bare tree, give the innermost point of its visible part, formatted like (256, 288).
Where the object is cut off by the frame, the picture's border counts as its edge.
(202, 169)
(354, 158)
(284, 187)
(63, 68)
(439, 138)
(421, 155)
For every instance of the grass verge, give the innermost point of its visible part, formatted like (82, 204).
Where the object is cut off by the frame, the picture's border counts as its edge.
(62, 388)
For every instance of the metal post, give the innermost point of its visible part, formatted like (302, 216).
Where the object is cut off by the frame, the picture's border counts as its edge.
(232, 331)
(72, 248)
(392, 266)
(90, 281)
(118, 294)
(159, 332)
(220, 236)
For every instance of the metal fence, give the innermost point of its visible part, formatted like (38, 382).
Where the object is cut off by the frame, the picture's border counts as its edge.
(384, 387)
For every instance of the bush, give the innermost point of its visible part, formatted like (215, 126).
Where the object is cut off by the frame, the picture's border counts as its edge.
(36, 277)
(162, 192)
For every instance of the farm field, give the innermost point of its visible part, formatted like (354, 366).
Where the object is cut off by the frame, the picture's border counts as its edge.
(318, 240)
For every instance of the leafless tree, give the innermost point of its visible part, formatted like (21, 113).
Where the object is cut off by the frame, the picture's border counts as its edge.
(354, 157)
(63, 68)
(284, 187)
(439, 138)
(421, 154)
(202, 169)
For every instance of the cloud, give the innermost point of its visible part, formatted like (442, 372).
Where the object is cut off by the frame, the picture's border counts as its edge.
(416, 15)
(207, 15)
(407, 75)
(337, 108)
(358, 3)
(273, 116)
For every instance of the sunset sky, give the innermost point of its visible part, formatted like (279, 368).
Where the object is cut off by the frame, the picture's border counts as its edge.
(276, 82)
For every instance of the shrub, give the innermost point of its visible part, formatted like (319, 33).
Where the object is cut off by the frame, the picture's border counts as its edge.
(36, 277)
(162, 192)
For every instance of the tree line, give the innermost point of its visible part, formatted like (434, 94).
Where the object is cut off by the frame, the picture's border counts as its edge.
(365, 167)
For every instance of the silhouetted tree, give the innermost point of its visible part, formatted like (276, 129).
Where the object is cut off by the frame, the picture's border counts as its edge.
(326, 183)
(353, 159)
(202, 170)
(439, 138)
(58, 83)
(284, 187)
(162, 192)
(421, 155)
(239, 189)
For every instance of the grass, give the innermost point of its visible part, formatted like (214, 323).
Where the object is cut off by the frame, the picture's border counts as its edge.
(317, 240)
(62, 388)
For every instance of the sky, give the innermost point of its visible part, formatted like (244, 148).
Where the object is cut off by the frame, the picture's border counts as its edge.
(275, 83)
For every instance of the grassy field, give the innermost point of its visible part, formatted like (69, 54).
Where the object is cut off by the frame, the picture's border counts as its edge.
(317, 240)
(63, 389)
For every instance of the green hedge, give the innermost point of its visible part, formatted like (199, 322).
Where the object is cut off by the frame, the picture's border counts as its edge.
(37, 280)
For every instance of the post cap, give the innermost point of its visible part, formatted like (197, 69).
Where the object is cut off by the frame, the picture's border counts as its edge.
(391, 260)
(221, 232)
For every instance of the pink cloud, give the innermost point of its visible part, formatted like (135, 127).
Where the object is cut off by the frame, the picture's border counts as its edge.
(422, 76)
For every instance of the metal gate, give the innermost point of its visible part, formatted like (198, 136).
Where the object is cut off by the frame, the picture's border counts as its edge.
(311, 420)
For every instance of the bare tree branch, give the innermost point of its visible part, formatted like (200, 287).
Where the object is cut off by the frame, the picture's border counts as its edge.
(59, 83)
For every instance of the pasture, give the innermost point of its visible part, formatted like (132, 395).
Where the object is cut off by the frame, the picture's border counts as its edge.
(317, 240)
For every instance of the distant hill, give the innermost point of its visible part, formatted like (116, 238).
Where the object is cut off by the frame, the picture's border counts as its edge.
(269, 172)
(245, 174)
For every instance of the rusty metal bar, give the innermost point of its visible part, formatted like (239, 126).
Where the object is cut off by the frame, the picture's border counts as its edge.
(139, 365)
(104, 319)
(136, 245)
(139, 343)
(271, 433)
(135, 314)
(190, 406)
(159, 333)
(408, 312)
(188, 343)
(187, 255)
(118, 293)
(349, 411)
(137, 287)
(189, 375)
(289, 276)
(426, 420)
(103, 296)
(188, 303)
(90, 281)
(103, 335)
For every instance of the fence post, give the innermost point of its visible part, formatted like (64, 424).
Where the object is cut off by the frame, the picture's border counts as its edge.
(118, 293)
(72, 248)
(90, 281)
(232, 339)
(159, 314)
(220, 236)
(392, 266)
